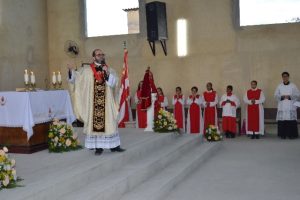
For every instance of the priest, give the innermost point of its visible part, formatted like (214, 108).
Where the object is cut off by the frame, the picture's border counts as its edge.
(286, 94)
(95, 103)
(254, 99)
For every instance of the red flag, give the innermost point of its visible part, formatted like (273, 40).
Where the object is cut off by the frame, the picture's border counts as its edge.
(124, 109)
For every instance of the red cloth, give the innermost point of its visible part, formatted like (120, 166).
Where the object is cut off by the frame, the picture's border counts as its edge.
(98, 75)
(142, 114)
(178, 111)
(253, 111)
(160, 99)
(229, 124)
(147, 88)
(195, 116)
(209, 112)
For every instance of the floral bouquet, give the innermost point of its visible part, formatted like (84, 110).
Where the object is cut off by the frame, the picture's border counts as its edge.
(8, 173)
(165, 122)
(212, 134)
(61, 137)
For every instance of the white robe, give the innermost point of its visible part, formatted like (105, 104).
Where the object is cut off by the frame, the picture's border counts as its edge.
(261, 113)
(228, 110)
(286, 110)
(83, 81)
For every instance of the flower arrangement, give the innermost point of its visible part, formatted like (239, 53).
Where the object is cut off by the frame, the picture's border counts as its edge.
(212, 134)
(61, 137)
(165, 122)
(8, 173)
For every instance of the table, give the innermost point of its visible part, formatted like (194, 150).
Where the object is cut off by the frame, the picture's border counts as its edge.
(25, 117)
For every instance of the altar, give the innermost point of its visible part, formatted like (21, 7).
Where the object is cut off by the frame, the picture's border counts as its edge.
(25, 118)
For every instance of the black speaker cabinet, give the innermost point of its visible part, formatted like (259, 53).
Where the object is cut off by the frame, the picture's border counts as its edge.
(156, 21)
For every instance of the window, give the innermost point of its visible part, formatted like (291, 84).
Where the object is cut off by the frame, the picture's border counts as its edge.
(181, 37)
(258, 12)
(111, 17)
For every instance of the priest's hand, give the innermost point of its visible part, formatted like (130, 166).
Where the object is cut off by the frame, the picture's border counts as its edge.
(70, 66)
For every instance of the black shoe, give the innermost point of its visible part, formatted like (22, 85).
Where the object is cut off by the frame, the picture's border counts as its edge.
(98, 151)
(257, 136)
(232, 135)
(117, 149)
(227, 135)
(252, 136)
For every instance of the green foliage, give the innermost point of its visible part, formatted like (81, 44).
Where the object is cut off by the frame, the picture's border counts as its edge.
(212, 134)
(8, 173)
(165, 122)
(61, 137)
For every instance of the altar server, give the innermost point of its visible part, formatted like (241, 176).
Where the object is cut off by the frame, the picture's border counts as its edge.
(162, 100)
(210, 101)
(286, 94)
(229, 103)
(194, 118)
(141, 114)
(254, 99)
(178, 102)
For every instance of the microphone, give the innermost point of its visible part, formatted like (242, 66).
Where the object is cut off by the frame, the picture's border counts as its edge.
(103, 64)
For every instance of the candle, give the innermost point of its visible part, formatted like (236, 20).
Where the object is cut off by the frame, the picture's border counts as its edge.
(58, 77)
(53, 78)
(32, 78)
(26, 77)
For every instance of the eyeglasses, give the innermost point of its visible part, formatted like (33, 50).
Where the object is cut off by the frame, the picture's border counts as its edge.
(100, 54)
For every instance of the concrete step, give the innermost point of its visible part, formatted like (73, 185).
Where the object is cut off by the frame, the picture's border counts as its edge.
(69, 175)
(70, 170)
(117, 183)
(159, 186)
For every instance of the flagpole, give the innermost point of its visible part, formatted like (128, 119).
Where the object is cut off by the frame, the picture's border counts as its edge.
(124, 45)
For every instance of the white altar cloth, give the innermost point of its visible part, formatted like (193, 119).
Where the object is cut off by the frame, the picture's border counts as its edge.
(25, 109)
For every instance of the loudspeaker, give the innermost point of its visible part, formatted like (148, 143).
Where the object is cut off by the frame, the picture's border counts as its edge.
(156, 21)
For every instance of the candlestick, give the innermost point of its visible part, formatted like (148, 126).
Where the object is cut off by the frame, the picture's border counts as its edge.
(54, 80)
(26, 77)
(58, 77)
(32, 78)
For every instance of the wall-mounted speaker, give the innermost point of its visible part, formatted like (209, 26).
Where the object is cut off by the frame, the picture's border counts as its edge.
(156, 21)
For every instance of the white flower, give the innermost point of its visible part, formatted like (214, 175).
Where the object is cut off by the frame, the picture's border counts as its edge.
(68, 142)
(5, 182)
(2, 153)
(62, 131)
(159, 116)
(56, 139)
(5, 149)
